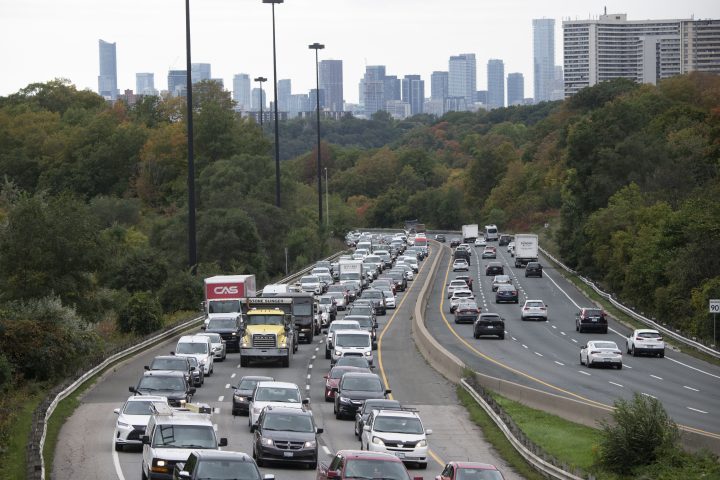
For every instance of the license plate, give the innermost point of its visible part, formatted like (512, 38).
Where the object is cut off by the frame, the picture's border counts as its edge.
(490, 326)
(399, 454)
(594, 319)
(606, 359)
(287, 454)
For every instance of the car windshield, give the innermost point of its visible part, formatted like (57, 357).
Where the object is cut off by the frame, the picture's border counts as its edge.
(352, 340)
(137, 408)
(193, 361)
(214, 337)
(649, 335)
(605, 345)
(277, 394)
(372, 294)
(344, 326)
(510, 288)
(361, 310)
(326, 300)
(338, 372)
(365, 322)
(192, 348)
(227, 469)
(386, 423)
(477, 474)
(221, 323)
(535, 304)
(249, 383)
(352, 362)
(264, 319)
(489, 318)
(162, 383)
(224, 306)
(458, 283)
(311, 279)
(364, 384)
(463, 294)
(502, 278)
(360, 468)
(593, 312)
(185, 436)
(169, 364)
(288, 422)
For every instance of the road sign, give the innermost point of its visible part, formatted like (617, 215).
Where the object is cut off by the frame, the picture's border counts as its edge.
(714, 305)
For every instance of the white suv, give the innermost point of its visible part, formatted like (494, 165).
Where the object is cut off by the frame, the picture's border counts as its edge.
(460, 294)
(334, 327)
(276, 394)
(644, 340)
(133, 418)
(398, 432)
(534, 309)
(349, 343)
(199, 347)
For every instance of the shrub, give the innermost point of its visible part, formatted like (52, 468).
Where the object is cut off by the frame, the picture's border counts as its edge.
(642, 431)
(6, 371)
(142, 314)
(181, 291)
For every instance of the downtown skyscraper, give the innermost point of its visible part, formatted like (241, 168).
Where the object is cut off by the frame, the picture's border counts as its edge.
(413, 92)
(241, 92)
(543, 58)
(331, 82)
(496, 83)
(462, 77)
(145, 84)
(515, 89)
(107, 80)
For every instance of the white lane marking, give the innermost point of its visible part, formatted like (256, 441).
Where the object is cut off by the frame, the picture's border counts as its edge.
(655, 376)
(313, 357)
(308, 377)
(116, 460)
(310, 366)
(563, 291)
(585, 373)
(238, 366)
(692, 368)
(538, 354)
(573, 340)
(227, 385)
(233, 375)
(326, 450)
(691, 388)
(560, 363)
(696, 410)
(307, 387)
(215, 426)
(616, 384)
(515, 339)
(524, 346)
(553, 326)
(316, 349)
(563, 333)
(216, 410)
(648, 395)
(221, 398)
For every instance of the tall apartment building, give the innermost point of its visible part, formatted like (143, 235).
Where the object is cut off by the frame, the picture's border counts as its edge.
(177, 83)
(462, 77)
(543, 58)
(439, 85)
(413, 92)
(258, 98)
(200, 72)
(496, 83)
(145, 84)
(645, 51)
(107, 80)
(331, 82)
(373, 89)
(284, 89)
(515, 89)
(241, 92)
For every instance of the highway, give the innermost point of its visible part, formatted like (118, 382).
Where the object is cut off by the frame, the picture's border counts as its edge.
(85, 448)
(545, 355)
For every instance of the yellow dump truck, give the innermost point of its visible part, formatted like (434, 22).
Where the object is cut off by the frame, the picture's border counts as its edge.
(267, 332)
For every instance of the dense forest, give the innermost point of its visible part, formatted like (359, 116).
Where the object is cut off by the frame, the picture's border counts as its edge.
(622, 179)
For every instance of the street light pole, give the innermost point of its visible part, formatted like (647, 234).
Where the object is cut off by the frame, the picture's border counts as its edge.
(318, 46)
(277, 139)
(260, 80)
(192, 243)
(327, 201)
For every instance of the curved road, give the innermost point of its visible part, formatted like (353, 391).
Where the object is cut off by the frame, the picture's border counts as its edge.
(85, 448)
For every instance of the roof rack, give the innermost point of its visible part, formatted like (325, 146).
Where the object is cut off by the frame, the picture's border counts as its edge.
(159, 408)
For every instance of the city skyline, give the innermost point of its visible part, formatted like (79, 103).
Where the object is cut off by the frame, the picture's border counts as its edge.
(235, 37)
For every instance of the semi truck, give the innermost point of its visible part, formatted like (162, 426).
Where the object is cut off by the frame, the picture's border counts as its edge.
(267, 331)
(526, 249)
(470, 233)
(224, 294)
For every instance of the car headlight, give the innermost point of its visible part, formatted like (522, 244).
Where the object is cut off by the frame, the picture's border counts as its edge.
(240, 398)
(267, 442)
(122, 424)
(234, 334)
(422, 443)
(283, 344)
(310, 444)
(344, 400)
(160, 463)
(244, 344)
(378, 441)
(338, 353)
(368, 354)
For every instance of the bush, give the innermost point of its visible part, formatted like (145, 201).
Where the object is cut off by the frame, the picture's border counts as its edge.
(642, 431)
(138, 271)
(142, 314)
(181, 291)
(6, 371)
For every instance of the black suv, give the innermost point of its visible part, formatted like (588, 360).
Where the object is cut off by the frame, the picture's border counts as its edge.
(229, 330)
(504, 239)
(216, 464)
(244, 390)
(591, 319)
(172, 363)
(354, 389)
(454, 242)
(494, 268)
(440, 237)
(166, 383)
(286, 435)
(533, 269)
(489, 324)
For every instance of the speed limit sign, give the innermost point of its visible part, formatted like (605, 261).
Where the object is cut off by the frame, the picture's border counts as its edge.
(715, 305)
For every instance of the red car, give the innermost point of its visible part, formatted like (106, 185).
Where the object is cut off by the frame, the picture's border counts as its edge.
(469, 471)
(363, 464)
(332, 379)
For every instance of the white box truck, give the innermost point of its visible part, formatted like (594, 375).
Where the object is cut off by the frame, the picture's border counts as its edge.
(470, 233)
(526, 249)
(351, 270)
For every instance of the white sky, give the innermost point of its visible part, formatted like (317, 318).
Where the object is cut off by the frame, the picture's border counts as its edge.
(44, 39)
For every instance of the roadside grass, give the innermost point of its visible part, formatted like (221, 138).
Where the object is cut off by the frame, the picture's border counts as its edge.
(17, 426)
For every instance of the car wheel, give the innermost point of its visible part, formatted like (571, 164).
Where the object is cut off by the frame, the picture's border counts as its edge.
(327, 354)
(627, 347)
(619, 367)
(209, 373)
(475, 335)
(581, 361)
(522, 317)
(422, 466)
(516, 301)
(589, 363)
(243, 361)
(260, 462)
(577, 328)
(286, 362)
(662, 354)
(338, 416)
(313, 465)
(142, 474)
(118, 447)
(633, 351)
(501, 337)
(605, 330)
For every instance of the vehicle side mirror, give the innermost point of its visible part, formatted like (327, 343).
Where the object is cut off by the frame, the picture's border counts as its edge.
(132, 390)
(428, 431)
(192, 369)
(184, 474)
(192, 390)
(319, 430)
(335, 389)
(172, 353)
(146, 367)
(250, 398)
(584, 346)
(333, 474)
(306, 401)
(223, 442)
(117, 411)
(145, 440)
(203, 327)
(326, 377)
(388, 391)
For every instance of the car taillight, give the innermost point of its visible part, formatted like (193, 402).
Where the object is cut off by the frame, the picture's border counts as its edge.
(526, 308)
(617, 352)
(543, 308)
(594, 352)
(639, 338)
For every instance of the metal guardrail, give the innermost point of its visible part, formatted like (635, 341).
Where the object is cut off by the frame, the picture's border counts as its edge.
(129, 351)
(641, 318)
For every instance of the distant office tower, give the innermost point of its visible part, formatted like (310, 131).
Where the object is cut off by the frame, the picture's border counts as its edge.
(515, 89)
(312, 99)
(558, 85)
(331, 82)
(413, 92)
(462, 77)
(107, 80)
(543, 58)
(374, 89)
(645, 51)
(496, 83)
(393, 88)
(456, 104)
(439, 85)
(284, 91)
(361, 92)
(398, 109)
(200, 72)
(177, 83)
(257, 100)
(145, 84)
(298, 103)
(241, 92)
(481, 96)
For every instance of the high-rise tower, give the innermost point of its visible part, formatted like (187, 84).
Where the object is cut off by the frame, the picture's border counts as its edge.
(543, 58)
(107, 80)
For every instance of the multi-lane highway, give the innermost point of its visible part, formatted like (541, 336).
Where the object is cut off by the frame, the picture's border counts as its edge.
(85, 448)
(545, 355)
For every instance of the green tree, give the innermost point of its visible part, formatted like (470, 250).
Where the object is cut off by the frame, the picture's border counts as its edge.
(141, 314)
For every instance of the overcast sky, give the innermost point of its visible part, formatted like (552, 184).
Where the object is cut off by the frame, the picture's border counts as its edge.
(45, 39)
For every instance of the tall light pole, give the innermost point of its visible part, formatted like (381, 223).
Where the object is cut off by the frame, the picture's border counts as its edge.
(327, 201)
(260, 80)
(192, 244)
(318, 46)
(277, 139)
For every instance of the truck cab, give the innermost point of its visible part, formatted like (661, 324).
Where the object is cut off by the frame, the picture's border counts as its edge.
(267, 332)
